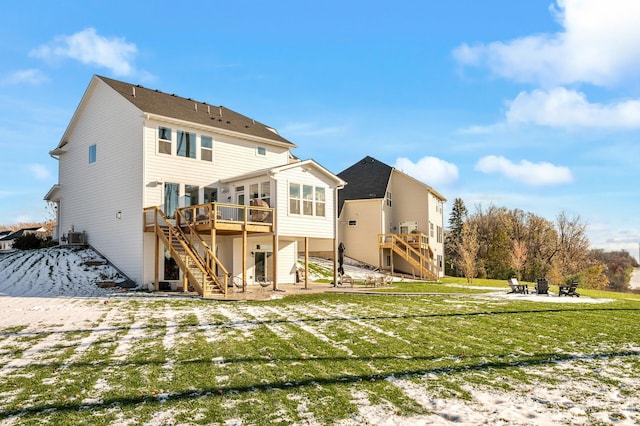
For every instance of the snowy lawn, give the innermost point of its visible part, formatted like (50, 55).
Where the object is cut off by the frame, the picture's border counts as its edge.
(72, 353)
(319, 359)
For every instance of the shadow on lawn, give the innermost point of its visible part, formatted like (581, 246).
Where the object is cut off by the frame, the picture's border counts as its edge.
(230, 324)
(221, 391)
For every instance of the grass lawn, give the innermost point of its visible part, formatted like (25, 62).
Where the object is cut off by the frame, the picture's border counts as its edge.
(327, 359)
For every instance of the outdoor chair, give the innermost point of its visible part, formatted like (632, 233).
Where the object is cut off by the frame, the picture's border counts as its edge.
(388, 280)
(346, 280)
(542, 286)
(238, 284)
(568, 289)
(370, 280)
(516, 287)
(264, 283)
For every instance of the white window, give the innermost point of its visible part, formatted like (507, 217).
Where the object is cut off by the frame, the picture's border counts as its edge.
(92, 154)
(320, 201)
(206, 148)
(311, 198)
(294, 198)
(307, 200)
(186, 144)
(388, 198)
(164, 140)
(261, 150)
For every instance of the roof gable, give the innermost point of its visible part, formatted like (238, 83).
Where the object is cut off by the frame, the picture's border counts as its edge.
(186, 109)
(366, 179)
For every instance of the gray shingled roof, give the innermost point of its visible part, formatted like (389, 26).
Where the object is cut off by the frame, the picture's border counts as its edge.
(366, 179)
(170, 105)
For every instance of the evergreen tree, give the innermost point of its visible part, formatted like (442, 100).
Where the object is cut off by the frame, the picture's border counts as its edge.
(453, 235)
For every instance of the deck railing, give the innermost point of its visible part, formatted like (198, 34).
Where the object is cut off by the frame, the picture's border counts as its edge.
(213, 213)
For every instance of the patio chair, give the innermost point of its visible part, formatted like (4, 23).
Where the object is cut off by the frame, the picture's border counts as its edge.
(516, 287)
(569, 289)
(264, 283)
(370, 280)
(542, 286)
(238, 284)
(345, 280)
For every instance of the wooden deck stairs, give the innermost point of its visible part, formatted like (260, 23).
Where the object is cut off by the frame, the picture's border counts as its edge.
(414, 249)
(192, 255)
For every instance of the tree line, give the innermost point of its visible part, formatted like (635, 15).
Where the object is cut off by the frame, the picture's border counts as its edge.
(499, 243)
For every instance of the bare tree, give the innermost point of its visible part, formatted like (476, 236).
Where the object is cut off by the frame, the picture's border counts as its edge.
(518, 256)
(467, 251)
(572, 248)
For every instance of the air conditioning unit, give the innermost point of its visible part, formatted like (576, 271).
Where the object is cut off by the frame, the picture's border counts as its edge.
(76, 238)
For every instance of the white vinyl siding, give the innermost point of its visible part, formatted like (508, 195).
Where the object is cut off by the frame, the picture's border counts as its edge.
(91, 204)
(300, 224)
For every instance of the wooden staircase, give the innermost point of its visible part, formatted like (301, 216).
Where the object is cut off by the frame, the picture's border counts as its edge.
(409, 248)
(192, 255)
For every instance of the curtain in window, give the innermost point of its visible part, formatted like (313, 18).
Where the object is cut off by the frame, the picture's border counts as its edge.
(170, 199)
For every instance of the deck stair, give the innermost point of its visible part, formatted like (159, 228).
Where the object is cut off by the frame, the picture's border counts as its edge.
(413, 249)
(192, 255)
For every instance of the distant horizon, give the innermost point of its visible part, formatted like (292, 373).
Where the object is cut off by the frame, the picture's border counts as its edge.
(529, 105)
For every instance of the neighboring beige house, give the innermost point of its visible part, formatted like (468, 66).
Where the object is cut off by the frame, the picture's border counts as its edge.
(175, 190)
(391, 220)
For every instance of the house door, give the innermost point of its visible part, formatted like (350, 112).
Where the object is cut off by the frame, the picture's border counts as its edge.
(262, 267)
(408, 227)
(171, 194)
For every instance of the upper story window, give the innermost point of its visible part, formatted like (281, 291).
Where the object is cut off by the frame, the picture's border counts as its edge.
(388, 198)
(311, 199)
(261, 150)
(186, 144)
(206, 148)
(164, 140)
(92, 154)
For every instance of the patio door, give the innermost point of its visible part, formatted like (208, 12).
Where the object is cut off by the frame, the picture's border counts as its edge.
(171, 195)
(262, 266)
(408, 227)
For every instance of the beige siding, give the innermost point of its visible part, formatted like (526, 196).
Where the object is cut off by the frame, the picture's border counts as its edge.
(361, 240)
(92, 194)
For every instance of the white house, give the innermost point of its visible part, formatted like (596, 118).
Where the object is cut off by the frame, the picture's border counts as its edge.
(173, 189)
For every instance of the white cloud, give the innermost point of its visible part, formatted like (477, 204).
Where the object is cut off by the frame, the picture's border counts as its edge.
(91, 48)
(38, 171)
(599, 44)
(430, 170)
(30, 76)
(560, 107)
(532, 174)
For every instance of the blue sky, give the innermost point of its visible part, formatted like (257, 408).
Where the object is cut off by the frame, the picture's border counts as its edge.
(532, 105)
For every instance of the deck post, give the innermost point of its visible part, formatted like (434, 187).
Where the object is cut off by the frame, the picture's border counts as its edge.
(335, 262)
(244, 258)
(156, 272)
(306, 263)
(274, 261)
